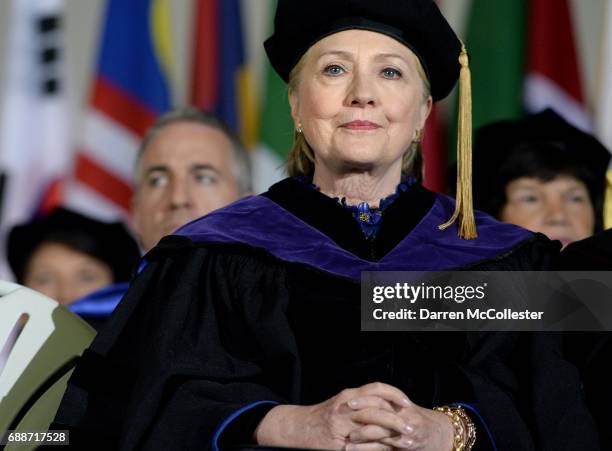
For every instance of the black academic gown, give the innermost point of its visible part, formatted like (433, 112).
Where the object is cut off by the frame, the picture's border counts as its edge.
(591, 352)
(259, 303)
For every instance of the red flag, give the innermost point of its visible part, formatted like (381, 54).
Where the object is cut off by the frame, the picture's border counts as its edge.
(130, 89)
(553, 76)
(435, 153)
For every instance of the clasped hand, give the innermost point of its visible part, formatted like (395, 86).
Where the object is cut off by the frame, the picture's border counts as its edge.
(372, 417)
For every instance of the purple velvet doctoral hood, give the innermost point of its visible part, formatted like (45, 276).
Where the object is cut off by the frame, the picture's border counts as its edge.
(259, 222)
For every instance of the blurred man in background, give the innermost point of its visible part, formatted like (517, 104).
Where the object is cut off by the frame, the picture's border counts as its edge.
(189, 164)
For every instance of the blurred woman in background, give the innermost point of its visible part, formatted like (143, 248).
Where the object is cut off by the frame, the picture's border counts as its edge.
(543, 174)
(67, 256)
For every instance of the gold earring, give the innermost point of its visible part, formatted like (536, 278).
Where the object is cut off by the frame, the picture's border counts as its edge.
(417, 136)
(299, 127)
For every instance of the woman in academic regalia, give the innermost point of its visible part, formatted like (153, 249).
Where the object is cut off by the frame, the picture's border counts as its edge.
(66, 255)
(82, 263)
(542, 173)
(244, 327)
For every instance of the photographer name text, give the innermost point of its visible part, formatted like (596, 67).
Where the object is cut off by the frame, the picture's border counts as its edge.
(474, 313)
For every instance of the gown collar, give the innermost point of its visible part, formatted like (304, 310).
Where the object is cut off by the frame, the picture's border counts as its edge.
(368, 218)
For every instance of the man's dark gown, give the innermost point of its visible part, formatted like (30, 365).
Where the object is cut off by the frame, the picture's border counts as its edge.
(259, 303)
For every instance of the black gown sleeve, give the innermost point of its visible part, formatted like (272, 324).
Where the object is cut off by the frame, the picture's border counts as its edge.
(199, 337)
(202, 347)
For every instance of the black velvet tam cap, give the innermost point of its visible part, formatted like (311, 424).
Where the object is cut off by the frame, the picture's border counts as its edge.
(418, 24)
(110, 243)
(543, 146)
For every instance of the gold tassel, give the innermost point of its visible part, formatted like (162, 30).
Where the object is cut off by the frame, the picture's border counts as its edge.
(464, 209)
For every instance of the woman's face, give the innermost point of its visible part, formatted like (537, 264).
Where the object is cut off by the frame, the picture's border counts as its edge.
(560, 208)
(359, 100)
(65, 274)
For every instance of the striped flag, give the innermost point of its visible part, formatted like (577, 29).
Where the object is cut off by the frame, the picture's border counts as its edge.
(222, 82)
(130, 89)
(35, 153)
(523, 59)
(553, 75)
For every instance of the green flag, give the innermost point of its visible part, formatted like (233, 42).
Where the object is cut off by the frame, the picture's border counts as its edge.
(276, 127)
(276, 123)
(496, 39)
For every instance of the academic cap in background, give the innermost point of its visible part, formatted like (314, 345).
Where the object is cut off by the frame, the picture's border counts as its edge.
(541, 145)
(110, 243)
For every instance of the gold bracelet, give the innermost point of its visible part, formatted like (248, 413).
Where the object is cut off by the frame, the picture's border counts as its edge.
(464, 430)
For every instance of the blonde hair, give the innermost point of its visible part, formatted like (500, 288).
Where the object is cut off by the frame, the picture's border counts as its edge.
(300, 161)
